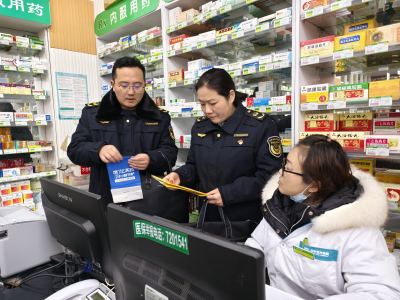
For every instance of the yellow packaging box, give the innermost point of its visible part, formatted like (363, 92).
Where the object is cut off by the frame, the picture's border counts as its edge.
(19, 89)
(315, 93)
(303, 135)
(385, 88)
(389, 33)
(390, 243)
(355, 41)
(388, 177)
(360, 26)
(322, 122)
(322, 47)
(367, 165)
(5, 88)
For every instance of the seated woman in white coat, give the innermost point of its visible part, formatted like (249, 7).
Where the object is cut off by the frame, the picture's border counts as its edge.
(321, 228)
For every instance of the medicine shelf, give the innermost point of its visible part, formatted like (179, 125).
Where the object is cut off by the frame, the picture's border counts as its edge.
(361, 105)
(191, 115)
(133, 48)
(26, 150)
(25, 70)
(13, 49)
(221, 46)
(22, 98)
(29, 176)
(181, 146)
(22, 123)
(362, 155)
(156, 72)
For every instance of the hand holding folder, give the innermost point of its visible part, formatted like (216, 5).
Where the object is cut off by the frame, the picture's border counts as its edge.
(178, 187)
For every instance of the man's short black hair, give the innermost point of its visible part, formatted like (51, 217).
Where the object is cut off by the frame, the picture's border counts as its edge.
(127, 62)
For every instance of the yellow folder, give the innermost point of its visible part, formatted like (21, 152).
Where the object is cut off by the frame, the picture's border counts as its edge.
(178, 187)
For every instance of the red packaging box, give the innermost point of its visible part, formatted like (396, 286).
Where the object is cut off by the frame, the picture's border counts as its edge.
(350, 141)
(4, 164)
(322, 122)
(178, 39)
(16, 162)
(388, 115)
(356, 121)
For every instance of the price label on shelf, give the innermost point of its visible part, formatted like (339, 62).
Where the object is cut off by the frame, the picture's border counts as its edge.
(159, 57)
(262, 27)
(281, 22)
(24, 69)
(172, 84)
(171, 53)
(1, 96)
(266, 67)
(225, 8)
(10, 68)
(310, 60)
(309, 106)
(22, 150)
(5, 123)
(198, 18)
(41, 122)
(250, 1)
(150, 36)
(142, 39)
(364, 1)
(211, 14)
(222, 39)
(133, 43)
(108, 51)
(182, 24)
(380, 101)
(234, 73)
(144, 61)
(161, 86)
(186, 145)
(125, 45)
(249, 70)
(202, 45)
(22, 45)
(4, 42)
(341, 54)
(52, 172)
(377, 150)
(238, 34)
(47, 148)
(286, 149)
(188, 81)
(377, 48)
(187, 48)
(334, 104)
(35, 149)
(151, 59)
(21, 123)
(38, 71)
(313, 12)
(149, 88)
(37, 47)
(339, 4)
(10, 151)
(172, 27)
(281, 64)
(40, 97)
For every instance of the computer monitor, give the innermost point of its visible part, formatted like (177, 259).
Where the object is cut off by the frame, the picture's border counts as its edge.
(154, 257)
(77, 220)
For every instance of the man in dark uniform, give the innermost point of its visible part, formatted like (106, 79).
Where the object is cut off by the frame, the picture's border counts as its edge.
(126, 122)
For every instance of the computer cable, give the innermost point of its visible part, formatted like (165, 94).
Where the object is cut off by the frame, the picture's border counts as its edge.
(76, 274)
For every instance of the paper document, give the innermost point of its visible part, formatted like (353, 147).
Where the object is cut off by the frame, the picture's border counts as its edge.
(272, 293)
(178, 187)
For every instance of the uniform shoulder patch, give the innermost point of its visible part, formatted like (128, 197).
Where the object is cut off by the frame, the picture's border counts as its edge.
(171, 132)
(164, 111)
(91, 105)
(275, 148)
(201, 119)
(255, 114)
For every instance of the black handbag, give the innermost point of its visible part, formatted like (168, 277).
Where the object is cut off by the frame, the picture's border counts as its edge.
(238, 231)
(159, 201)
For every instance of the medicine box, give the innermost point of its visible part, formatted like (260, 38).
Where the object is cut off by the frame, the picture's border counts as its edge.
(11, 172)
(225, 31)
(388, 115)
(351, 92)
(17, 198)
(25, 185)
(356, 121)
(315, 93)
(23, 116)
(388, 177)
(15, 187)
(6, 117)
(7, 200)
(310, 4)
(360, 26)
(191, 75)
(20, 89)
(386, 126)
(206, 36)
(321, 46)
(27, 195)
(322, 122)
(252, 23)
(286, 12)
(385, 88)
(303, 135)
(235, 66)
(364, 164)
(391, 140)
(350, 141)
(198, 64)
(6, 189)
(354, 40)
(5, 88)
(176, 76)
(173, 15)
(388, 33)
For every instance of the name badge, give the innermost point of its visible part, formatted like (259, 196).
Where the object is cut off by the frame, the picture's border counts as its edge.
(241, 135)
(321, 253)
(303, 252)
(151, 123)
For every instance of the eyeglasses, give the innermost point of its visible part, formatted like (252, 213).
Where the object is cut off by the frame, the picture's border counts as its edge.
(283, 168)
(137, 88)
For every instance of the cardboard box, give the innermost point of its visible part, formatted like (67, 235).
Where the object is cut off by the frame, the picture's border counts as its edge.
(365, 164)
(389, 33)
(173, 15)
(351, 92)
(4, 164)
(7, 37)
(235, 66)
(176, 43)
(7, 200)
(360, 26)
(32, 143)
(23, 116)
(387, 177)
(5, 88)
(5, 138)
(11, 172)
(206, 36)
(17, 197)
(309, 4)
(225, 31)
(42, 117)
(176, 76)
(38, 168)
(198, 64)
(26, 170)
(8, 145)
(355, 41)
(388, 115)
(27, 195)
(48, 168)
(315, 93)
(16, 162)
(386, 126)
(187, 15)
(6, 116)
(25, 185)
(5, 131)
(322, 122)
(322, 47)
(45, 143)
(350, 141)
(6, 189)
(356, 121)
(391, 140)
(20, 89)
(385, 88)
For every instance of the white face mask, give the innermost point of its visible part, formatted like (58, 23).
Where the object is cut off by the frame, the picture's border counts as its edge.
(300, 197)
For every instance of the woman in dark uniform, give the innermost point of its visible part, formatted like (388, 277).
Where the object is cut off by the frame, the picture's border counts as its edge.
(233, 153)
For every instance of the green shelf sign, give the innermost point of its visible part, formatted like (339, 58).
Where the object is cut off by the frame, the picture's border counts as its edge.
(34, 11)
(122, 13)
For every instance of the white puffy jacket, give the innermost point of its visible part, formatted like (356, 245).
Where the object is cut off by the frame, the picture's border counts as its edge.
(351, 262)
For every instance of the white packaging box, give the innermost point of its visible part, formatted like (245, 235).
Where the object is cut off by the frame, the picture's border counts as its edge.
(173, 15)
(100, 49)
(21, 39)
(38, 65)
(179, 102)
(187, 139)
(206, 36)
(142, 33)
(23, 116)
(11, 172)
(282, 55)
(174, 109)
(235, 66)
(42, 117)
(252, 23)
(6, 36)
(393, 141)
(109, 46)
(189, 104)
(266, 59)
(266, 85)
(225, 67)
(191, 75)
(386, 126)
(198, 64)
(190, 41)
(206, 7)
(266, 18)
(250, 61)
(6, 116)
(286, 12)
(278, 100)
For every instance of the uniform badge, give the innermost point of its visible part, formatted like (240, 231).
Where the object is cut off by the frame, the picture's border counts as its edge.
(275, 146)
(201, 134)
(171, 131)
(255, 114)
(104, 122)
(240, 142)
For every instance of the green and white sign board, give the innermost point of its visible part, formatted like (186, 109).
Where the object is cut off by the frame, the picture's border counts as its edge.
(30, 10)
(122, 13)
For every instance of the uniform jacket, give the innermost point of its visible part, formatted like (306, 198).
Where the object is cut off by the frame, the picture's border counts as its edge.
(148, 131)
(237, 158)
(351, 259)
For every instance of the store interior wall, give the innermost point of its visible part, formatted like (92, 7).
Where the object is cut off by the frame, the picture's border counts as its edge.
(73, 50)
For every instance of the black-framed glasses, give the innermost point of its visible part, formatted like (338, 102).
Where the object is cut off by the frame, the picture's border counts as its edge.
(283, 168)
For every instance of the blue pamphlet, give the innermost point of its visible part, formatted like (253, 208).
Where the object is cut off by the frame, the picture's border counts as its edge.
(125, 181)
